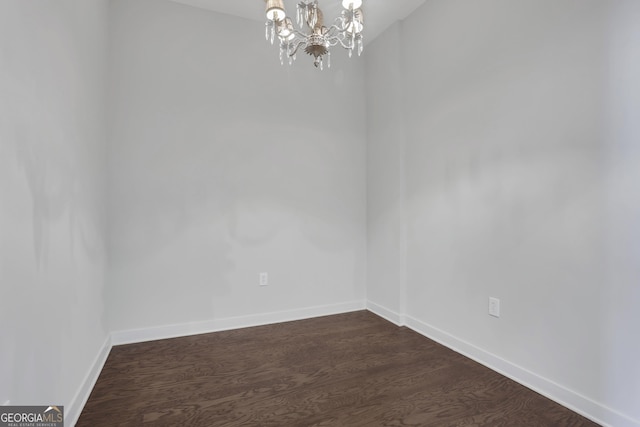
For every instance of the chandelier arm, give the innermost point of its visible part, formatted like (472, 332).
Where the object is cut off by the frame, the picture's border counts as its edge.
(334, 41)
(299, 33)
(346, 45)
(340, 30)
(295, 50)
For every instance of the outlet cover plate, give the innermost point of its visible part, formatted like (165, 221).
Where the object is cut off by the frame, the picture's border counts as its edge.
(494, 307)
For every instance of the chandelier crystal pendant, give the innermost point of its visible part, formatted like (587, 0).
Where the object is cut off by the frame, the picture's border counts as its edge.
(313, 37)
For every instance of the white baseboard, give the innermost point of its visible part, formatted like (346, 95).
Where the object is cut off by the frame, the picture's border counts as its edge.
(385, 313)
(582, 405)
(599, 413)
(72, 414)
(216, 325)
(73, 411)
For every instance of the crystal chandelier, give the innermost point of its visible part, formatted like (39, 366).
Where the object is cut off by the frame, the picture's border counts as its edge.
(314, 38)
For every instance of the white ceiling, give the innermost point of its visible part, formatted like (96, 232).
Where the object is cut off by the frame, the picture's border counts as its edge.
(378, 14)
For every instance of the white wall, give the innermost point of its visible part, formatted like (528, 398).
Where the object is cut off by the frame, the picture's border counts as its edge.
(520, 171)
(52, 192)
(222, 165)
(621, 340)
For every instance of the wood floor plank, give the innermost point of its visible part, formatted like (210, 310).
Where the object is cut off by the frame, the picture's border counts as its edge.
(353, 369)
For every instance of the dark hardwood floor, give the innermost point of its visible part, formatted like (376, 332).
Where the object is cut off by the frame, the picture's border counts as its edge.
(352, 369)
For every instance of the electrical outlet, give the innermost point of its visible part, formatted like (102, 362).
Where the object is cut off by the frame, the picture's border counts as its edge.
(494, 307)
(264, 279)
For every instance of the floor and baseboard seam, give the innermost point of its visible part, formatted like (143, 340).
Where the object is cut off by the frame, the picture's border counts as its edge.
(595, 411)
(582, 405)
